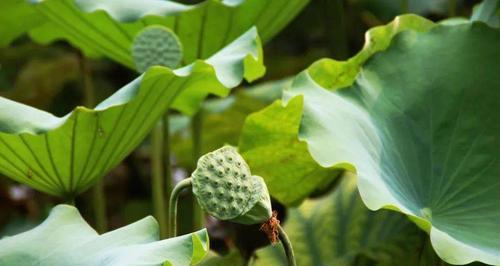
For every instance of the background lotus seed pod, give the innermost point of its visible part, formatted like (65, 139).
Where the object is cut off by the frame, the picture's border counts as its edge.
(156, 45)
(225, 188)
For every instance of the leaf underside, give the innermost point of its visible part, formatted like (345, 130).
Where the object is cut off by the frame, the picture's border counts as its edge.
(64, 156)
(107, 28)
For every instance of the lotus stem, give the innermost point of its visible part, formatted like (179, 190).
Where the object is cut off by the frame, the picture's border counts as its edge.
(98, 196)
(157, 179)
(172, 208)
(99, 202)
(167, 168)
(196, 127)
(287, 246)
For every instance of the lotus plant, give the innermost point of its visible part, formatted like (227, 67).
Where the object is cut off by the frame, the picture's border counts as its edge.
(226, 189)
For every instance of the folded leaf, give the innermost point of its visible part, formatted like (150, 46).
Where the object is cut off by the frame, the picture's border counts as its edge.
(64, 156)
(64, 238)
(422, 137)
(107, 28)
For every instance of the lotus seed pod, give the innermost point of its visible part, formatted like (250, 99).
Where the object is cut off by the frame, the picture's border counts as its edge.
(156, 45)
(260, 209)
(236, 191)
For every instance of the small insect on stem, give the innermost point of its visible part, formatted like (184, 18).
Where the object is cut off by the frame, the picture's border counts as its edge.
(270, 228)
(275, 232)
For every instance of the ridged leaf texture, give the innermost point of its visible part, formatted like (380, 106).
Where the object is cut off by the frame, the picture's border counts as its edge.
(107, 28)
(64, 156)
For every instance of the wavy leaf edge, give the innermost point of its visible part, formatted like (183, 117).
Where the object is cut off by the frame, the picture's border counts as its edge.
(251, 62)
(443, 243)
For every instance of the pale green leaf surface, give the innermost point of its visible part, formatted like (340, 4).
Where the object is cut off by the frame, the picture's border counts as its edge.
(64, 238)
(423, 136)
(107, 28)
(64, 156)
(269, 138)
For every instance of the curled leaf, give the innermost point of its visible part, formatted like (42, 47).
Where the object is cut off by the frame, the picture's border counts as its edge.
(64, 156)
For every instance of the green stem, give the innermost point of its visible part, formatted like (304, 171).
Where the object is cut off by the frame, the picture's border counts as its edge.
(167, 169)
(157, 178)
(172, 208)
(99, 202)
(98, 196)
(287, 245)
(196, 127)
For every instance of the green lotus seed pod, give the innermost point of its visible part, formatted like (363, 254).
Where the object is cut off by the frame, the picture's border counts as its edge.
(261, 209)
(156, 45)
(238, 196)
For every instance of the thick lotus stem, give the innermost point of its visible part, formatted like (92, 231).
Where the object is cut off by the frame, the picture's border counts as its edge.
(172, 207)
(196, 127)
(157, 175)
(98, 195)
(287, 246)
(274, 231)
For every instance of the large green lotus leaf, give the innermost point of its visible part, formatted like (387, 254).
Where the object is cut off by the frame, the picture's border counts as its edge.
(107, 28)
(269, 138)
(420, 127)
(339, 230)
(64, 238)
(64, 156)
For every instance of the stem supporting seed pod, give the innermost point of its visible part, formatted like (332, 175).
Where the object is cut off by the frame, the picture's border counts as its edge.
(225, 188)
